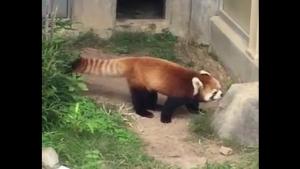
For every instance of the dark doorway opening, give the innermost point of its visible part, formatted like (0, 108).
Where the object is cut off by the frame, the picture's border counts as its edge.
(140, 9)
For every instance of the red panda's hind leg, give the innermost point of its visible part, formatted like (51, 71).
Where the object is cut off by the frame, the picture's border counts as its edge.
(138, 100)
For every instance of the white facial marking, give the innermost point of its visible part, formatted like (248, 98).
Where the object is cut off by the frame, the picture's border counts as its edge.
(196, 84)
(208, 96)
(218, 84)
(213, 95)
(204, 72)
(218, 95)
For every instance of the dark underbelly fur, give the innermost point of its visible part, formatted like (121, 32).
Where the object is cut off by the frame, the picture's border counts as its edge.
(143, 100)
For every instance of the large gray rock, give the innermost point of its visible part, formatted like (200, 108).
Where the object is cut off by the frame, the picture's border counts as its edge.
(63, 167)
(236, 118)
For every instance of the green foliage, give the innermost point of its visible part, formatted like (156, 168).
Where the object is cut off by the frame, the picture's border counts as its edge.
(219, 166)
(59, 86)
(159, 45)
(86, 39)
(87, 116)
(250, 160)
(201, 125)
(63, 24)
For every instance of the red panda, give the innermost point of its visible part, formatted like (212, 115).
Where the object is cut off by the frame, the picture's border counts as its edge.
(147, 76)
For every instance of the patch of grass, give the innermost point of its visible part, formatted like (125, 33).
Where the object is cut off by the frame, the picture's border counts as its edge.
(235, 145)
(85, 39)
(228, 84)
(213, 55)
(250, 160)
(190, 64)
(94, 137)
(225, 165)
(159, 45)
(247, 161)
(201, 125)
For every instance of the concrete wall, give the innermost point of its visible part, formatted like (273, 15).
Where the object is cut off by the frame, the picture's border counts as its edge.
(202, 11)
(179, 16)
(191, 18)
(230, 48)
(98, 15)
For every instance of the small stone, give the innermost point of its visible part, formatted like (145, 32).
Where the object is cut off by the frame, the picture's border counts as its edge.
(63, 167)
(225, 151)
(49, 158)
(203, 160)
(174, 156)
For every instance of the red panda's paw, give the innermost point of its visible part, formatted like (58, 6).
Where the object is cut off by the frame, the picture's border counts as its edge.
(165, 120)
(146, 114)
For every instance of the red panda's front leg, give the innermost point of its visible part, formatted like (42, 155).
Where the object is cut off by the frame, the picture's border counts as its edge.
(169, 108)
(193, 106)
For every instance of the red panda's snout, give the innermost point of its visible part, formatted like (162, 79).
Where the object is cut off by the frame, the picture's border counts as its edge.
(211, 95)
(216, 95)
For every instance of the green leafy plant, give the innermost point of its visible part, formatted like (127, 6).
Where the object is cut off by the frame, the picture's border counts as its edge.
(87, 116)
(201, 125)
(219, 166)
(59, 86)
(86, 39)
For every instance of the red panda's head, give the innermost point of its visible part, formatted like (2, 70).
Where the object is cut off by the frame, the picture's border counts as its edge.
(206, 87)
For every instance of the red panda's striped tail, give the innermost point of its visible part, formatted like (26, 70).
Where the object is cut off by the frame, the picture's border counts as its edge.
(98, 66)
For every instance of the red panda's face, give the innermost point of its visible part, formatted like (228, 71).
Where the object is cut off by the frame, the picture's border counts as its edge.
(208, 88)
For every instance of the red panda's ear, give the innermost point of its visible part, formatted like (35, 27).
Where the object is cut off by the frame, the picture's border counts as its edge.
(204, 72)
(197, 84)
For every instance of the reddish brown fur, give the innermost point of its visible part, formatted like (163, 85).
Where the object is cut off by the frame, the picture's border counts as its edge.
(151, 74)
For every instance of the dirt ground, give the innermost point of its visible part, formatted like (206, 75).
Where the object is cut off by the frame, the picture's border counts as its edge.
(171, 143)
